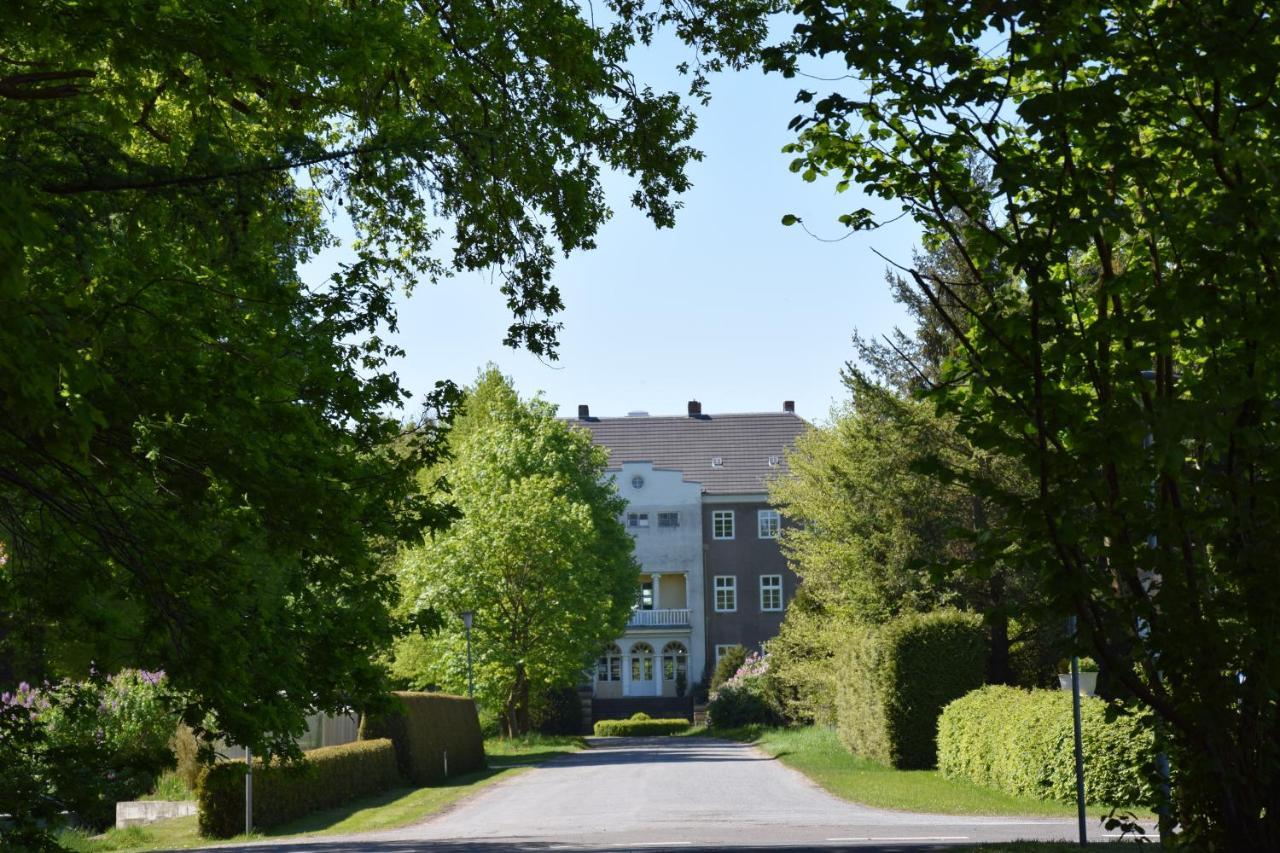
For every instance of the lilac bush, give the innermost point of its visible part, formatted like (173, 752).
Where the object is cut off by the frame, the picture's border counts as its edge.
(90, 743)
(746, 698)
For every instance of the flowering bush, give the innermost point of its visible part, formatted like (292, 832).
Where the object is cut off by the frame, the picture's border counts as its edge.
(84, 745)
(746, 698)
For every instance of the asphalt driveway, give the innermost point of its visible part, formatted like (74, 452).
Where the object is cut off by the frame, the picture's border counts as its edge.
(677, 794)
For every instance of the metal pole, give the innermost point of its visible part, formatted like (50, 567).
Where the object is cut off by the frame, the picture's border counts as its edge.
(1075, 709)
(248, 791)
(470, 686)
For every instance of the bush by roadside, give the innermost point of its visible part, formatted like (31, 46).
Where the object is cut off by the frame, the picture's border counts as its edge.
(748, 697)
(324, 778)
(430, 731)
(730, 662)
(1022, 742)
(640, 725)
(894, 681)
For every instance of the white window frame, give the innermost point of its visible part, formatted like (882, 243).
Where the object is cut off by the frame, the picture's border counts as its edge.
(731, 588)
(722, 649)
(718, 515)
(771, 588)
(674, 517)
(637, 520)
(774, 519)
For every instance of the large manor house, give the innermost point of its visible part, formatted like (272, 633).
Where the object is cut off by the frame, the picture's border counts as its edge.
(712, 575)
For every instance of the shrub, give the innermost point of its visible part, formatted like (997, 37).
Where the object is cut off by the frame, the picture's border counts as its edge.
(427, 729)
(490, 722)
(745, 698)
(324, 778)
(639, 727)
(802, 663)
(730, 662)
(104, 740)
(895, 680)
(558, 712)
(1022, 742)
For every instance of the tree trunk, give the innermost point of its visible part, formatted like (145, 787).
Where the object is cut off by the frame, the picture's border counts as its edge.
(515, 719)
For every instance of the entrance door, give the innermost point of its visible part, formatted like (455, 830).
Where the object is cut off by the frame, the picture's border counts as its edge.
(644, 681)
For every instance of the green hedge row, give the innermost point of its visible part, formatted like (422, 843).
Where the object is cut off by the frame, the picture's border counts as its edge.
(639, 728)
(894, 681)
(435, 735)
(325, 778)
(1022, 742)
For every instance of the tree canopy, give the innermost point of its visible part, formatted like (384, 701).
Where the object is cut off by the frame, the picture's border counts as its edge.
(1116, 322)
(538, 554)
(200, 469)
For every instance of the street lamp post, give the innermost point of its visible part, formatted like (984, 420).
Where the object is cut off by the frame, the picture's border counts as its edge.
(467, 616)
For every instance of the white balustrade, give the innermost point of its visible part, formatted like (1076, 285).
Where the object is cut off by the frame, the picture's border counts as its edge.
(659, 618)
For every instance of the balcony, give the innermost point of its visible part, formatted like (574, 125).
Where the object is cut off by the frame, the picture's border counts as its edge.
(671, 618)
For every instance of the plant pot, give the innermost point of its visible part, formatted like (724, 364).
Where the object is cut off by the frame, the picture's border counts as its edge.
(1088, 682)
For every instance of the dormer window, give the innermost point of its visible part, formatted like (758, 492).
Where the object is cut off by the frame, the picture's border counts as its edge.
(773, 461)
(717, 461)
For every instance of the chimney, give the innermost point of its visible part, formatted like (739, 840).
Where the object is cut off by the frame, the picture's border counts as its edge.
(695, 409)
(789, 406)
(584, 412)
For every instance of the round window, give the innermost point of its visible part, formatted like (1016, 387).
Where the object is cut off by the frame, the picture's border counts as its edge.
(637, 482)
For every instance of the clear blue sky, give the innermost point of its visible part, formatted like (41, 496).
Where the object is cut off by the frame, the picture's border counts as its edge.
(730, 307)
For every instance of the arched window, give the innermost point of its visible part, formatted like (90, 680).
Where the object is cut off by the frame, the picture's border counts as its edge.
(642, 662)
(609, 668)
(675, 659)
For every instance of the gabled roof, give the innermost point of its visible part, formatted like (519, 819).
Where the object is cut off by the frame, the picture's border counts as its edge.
(743, 444)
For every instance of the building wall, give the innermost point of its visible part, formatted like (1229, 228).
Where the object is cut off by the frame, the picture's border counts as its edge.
(746, 557)
(674, 551)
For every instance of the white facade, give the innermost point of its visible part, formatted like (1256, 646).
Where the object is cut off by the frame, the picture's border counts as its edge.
(664, 515)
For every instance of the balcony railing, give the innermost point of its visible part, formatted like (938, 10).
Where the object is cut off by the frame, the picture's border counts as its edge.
(659, 618)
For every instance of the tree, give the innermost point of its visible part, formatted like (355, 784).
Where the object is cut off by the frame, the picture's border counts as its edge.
(538, 554)
(1117, 325)
(197, 469)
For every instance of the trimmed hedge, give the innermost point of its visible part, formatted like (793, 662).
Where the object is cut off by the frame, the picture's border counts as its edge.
(424, 729)
(325, 778)
(1021, 742)
(894, 682)
(639, 727)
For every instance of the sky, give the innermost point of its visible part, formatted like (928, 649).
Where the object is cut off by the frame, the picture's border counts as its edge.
(730, 307)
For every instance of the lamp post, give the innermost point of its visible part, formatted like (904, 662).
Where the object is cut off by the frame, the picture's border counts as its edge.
(467, 616)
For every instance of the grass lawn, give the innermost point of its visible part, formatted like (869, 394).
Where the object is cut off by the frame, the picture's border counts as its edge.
(818, 754)
(388, 810)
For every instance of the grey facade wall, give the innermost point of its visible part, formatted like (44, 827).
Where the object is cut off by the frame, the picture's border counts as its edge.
(746, 557)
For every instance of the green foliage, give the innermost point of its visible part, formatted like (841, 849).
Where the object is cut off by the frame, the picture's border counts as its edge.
(538, 554)
(639, 727)
(186, 752)
(199, 466)
(1021, 742)
(79, 747)
(322, 779)
(730, 662)
(557, 712)
(895, 680)
(1115, 324)
(802, 660)
(747, 698)
(430, 731)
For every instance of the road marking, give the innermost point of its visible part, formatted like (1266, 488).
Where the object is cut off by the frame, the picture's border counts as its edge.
(905, 838)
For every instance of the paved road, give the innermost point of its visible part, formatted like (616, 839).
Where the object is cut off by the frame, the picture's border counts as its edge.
(676, 794)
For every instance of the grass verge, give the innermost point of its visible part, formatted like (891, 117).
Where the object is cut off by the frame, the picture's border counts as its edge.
(388, 810)
(818, 754)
